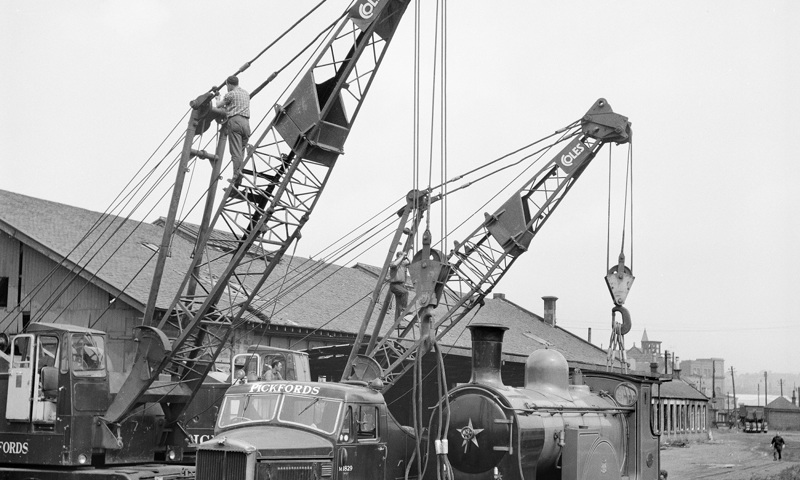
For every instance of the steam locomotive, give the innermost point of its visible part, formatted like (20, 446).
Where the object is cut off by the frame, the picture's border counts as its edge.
(594, 425)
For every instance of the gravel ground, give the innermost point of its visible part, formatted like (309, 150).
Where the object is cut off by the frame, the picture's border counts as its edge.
(733, 455)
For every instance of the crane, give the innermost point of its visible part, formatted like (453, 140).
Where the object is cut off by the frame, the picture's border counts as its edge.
(470, 271)
(69, 419)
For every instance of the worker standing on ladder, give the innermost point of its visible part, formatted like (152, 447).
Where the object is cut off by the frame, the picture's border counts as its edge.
(398, 272)
(236, 104)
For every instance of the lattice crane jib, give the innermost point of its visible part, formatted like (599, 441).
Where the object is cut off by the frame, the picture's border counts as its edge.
(478, 263)
(268, 201)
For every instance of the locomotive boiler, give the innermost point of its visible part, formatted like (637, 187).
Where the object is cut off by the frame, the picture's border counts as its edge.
(590, 425)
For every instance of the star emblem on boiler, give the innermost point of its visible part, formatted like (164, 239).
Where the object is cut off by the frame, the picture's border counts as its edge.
(468, 434)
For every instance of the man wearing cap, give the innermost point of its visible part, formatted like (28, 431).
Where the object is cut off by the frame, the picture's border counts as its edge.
(236, 104)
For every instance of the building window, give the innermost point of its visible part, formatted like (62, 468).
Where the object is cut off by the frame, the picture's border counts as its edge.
(3, 291)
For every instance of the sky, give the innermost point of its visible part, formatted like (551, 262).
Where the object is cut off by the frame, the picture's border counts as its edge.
(91, 88)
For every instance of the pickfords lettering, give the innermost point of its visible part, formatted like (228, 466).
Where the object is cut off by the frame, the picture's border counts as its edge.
(284, 388)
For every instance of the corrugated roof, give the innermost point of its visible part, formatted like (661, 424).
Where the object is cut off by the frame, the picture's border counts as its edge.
(332, 297)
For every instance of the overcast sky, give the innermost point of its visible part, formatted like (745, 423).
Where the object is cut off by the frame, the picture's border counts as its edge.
(92, 87)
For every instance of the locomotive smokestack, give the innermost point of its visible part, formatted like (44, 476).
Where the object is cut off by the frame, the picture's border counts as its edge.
(487, 350)
(550, 310)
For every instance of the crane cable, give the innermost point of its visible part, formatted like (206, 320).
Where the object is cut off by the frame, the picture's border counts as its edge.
(627, 207)
(40, 285)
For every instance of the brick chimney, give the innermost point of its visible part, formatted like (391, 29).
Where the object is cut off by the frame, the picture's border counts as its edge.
(550, 310)
(499, 296)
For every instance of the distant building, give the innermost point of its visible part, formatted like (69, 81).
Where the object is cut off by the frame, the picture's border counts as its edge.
(641, 358)
(781, 414)
(708, 376)
(680, 412)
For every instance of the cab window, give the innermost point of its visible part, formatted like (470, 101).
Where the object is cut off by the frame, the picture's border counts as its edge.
(21, 352)
(345, 434)
(367, 423)
(87, 354)
(48, 351)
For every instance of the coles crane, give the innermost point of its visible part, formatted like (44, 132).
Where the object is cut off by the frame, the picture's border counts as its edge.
(61, 420)
(342, 430)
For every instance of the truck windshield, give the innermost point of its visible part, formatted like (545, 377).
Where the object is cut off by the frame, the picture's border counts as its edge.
(321, 414)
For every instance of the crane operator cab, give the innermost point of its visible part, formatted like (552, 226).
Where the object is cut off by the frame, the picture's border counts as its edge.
(33, 362)
(264, 364)
(53, 382)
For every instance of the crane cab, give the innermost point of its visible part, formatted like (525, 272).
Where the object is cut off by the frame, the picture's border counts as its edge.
(263, 363)
(53, 381)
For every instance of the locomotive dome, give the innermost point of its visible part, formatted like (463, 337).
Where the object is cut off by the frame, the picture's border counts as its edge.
(546, 369)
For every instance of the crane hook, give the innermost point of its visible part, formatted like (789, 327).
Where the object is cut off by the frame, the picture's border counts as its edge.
(626, 319)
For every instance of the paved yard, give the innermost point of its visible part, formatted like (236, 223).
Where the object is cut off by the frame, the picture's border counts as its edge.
(732, 455)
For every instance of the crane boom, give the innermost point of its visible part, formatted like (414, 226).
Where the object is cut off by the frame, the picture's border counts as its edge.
(268, 201)
(475, 265)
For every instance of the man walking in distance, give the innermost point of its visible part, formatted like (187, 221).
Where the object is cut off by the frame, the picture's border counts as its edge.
(236, 104)
(777, 446)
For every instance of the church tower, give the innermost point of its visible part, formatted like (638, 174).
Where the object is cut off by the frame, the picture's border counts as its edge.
(651, 348)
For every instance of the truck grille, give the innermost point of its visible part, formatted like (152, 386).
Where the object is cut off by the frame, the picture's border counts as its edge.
(221, 465)
(294, 470)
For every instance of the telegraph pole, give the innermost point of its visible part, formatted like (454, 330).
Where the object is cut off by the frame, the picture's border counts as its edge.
(713, 381)
(733, 384)
(765, 388)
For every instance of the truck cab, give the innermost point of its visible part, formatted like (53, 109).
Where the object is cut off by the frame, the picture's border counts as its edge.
(299, 430)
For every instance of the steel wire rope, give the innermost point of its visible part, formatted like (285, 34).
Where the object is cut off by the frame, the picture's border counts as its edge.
(241, 70)
(277, 39)
(539, 152)
(100, 220)
(471, 183)
(630, 162)
(443, 169)
(450, 348)
(264, 117)
(300, 277)
(123, 242)
(269, 317)
(318, 266)
(626, 208)
(337, 252)
(117, 249)
(75, 275)
(565, 130)
(275, 103)
(307, 277)
(144, 264)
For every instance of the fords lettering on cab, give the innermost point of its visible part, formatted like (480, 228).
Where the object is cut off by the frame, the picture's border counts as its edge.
(15, 448)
